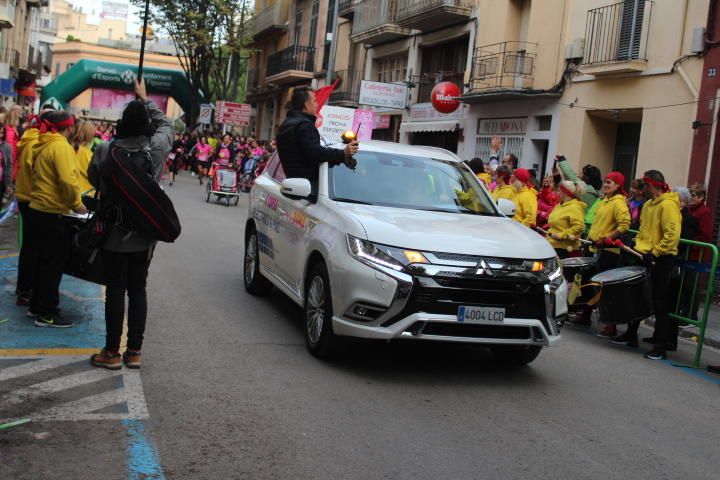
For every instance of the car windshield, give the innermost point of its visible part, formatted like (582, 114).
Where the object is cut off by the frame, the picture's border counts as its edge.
(413, 182)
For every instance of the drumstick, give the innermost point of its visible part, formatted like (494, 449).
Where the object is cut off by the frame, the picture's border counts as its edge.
(618, 244)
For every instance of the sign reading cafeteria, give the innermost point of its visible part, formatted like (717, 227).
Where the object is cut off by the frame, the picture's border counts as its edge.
(379, 94)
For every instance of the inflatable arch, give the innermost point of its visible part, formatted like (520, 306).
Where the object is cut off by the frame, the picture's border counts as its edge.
(94, 73)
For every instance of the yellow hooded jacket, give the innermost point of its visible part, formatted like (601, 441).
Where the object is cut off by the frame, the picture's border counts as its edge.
(83, 155)
(567, 219)
(525, 206)
(611, 215)
(23, 181)
(503, 191)
(660, 226)
(55, 187)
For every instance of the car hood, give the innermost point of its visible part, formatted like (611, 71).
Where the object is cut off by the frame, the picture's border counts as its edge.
(449, 232)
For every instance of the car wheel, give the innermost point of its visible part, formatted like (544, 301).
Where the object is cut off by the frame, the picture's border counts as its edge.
(320, 339)
(515, 355)
(255, 283)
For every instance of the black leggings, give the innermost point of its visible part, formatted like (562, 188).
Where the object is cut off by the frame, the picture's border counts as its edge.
(27, 262)
(666, 328)
(125, 272)
(50, 238)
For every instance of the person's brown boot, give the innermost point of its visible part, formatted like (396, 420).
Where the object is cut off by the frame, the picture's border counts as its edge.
(111, 361)
(131, 359)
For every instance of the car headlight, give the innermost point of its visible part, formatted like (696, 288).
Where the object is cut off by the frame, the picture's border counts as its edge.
(375, 254)
(553, 269)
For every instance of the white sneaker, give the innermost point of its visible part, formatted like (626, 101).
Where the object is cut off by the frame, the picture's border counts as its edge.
(193, 174)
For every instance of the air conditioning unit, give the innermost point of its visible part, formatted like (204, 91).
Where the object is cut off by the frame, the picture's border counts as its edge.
(575, 50)
(698, 40)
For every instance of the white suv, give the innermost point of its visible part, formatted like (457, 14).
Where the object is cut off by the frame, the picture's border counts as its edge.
(409, 245)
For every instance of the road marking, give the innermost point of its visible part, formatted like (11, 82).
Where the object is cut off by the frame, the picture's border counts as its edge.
(122, 400)
(36, 352)
(143, 459)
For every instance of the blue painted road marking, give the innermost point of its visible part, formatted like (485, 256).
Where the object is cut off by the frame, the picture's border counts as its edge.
(143, 460)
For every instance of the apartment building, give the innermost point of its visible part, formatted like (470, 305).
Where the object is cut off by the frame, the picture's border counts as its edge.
(591, 79)
(290, 49)
(19, 65)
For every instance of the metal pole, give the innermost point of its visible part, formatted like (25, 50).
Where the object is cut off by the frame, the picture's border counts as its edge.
(143, 38)
(333, 44)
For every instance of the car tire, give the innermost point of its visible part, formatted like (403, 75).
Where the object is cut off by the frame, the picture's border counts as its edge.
(320, 339)
(255, 283)
(515, 355)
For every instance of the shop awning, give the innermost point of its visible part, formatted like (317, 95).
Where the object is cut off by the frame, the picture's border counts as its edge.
(437, 126)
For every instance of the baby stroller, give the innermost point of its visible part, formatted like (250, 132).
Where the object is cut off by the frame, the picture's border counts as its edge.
(248, 174)
(224, 186)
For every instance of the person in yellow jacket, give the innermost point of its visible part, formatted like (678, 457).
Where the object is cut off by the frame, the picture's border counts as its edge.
(27, 261)
(525, 197)
(55, 192)
(658, 240)
(612, 219)
(82, 141)
(567, 220)
(503, 189)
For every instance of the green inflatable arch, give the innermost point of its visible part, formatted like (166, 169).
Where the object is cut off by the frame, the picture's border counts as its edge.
(94, 73)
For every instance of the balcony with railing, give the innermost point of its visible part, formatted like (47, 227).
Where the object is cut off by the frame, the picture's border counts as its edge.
(616, 38)
(348, 92)
(375, 22)
(291, 64)
(270, 20)
(433, 14)
(504, 71)
(346, 8)
(429, 80)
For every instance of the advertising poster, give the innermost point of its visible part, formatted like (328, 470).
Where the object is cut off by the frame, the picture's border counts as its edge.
(365, 120)
(111, 102)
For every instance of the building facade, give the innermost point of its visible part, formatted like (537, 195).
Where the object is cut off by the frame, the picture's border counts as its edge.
(611, 83)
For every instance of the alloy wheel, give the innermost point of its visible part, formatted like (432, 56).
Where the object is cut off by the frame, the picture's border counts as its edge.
(250, 258)
(315, 309)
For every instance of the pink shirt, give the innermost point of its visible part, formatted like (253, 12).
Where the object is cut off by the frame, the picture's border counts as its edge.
(204, 151)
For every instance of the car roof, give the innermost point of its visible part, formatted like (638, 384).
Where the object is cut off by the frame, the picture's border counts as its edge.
(402, 149)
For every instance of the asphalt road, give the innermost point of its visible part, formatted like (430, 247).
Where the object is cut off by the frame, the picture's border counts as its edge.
(232, 393)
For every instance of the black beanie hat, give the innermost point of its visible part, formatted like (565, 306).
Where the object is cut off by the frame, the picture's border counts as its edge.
(135, 120)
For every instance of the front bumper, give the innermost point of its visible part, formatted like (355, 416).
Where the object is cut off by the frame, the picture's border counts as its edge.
(425, 308)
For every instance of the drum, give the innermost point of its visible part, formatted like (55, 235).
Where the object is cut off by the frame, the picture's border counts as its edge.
(583, 266)
(626, 296)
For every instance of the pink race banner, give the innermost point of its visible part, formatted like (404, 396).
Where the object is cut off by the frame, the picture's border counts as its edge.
(111, 99)
(365, 119)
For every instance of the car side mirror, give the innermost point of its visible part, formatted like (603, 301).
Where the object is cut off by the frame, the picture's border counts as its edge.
(506, 207)
(296, 188)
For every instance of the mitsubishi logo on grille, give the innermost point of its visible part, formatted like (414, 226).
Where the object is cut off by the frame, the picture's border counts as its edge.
(482, 268)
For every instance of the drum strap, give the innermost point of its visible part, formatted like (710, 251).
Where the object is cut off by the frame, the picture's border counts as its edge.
(577, 288)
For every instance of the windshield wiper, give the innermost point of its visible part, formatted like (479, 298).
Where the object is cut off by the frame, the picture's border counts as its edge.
(351, 200)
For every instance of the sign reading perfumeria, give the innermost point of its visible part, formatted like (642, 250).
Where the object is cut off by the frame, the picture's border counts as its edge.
(379, 94)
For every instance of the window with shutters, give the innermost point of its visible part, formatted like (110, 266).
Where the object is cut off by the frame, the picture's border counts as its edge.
(314, 22)
(392, 69)
(618, 32)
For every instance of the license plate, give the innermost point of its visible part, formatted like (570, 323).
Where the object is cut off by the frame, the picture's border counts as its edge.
(481, 315)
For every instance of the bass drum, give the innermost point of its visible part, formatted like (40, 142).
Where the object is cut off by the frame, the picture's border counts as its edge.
(626, 295)
(585, 267)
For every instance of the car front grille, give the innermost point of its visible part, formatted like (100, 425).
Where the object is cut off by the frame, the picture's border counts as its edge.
(476, 331)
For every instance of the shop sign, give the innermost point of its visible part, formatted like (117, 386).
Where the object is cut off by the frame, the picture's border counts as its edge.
(382, 94)
(229, 113)
(502, 126)
(444, 97)
(421, 112)
(382, 122)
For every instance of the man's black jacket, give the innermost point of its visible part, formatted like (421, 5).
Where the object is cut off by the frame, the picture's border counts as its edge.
(298, 144)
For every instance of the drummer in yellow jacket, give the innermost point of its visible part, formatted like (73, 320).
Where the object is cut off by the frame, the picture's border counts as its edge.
(658, 240)
(27, 261)
(567, 220)
(55, 192)
(612, 219)
(503, 189)
(525, 197)
(82, 142)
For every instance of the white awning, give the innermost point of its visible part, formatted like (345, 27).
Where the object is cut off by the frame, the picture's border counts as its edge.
(437, 126)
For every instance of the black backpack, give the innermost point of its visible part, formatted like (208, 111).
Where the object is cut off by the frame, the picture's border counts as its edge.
(146, 208)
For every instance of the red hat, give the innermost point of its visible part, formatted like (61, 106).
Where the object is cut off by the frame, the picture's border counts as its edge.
(618, 178)
(523, 175)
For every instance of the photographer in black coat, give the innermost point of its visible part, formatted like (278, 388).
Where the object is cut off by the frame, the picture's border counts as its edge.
(298, 141)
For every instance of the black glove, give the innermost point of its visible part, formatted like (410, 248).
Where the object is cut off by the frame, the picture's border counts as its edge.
(648, 259)
(350, 162)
